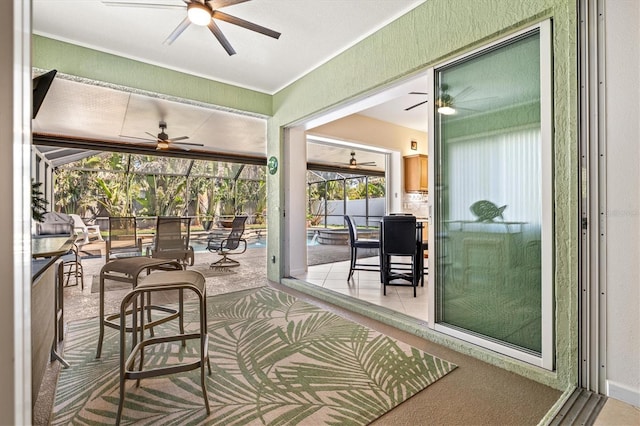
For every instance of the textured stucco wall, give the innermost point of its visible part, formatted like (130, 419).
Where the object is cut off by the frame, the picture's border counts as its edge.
(94, 65)
(431, 33)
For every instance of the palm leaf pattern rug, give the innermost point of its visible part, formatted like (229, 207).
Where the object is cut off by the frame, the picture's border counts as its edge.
(275, 360)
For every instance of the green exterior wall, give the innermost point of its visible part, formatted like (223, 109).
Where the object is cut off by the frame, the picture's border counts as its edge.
(430, 34)
(99, 66)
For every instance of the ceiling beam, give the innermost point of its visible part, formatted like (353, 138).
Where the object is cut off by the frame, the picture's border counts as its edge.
(42, 139)
(345, 170)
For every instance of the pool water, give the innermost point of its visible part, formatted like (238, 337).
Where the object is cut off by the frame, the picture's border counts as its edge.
(199, 245)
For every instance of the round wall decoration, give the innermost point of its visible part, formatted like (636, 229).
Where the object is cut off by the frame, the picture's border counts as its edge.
(272, 165)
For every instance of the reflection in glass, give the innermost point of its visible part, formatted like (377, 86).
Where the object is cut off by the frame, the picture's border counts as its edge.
(488, 200)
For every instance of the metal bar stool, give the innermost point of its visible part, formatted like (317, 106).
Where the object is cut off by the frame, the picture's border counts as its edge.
(161, 281)
(128, 270)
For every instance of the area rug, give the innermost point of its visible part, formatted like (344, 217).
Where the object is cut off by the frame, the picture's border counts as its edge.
(111, 285)
(275, 360)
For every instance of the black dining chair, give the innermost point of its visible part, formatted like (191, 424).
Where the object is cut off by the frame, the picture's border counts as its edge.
(398, 240)
(356, 243)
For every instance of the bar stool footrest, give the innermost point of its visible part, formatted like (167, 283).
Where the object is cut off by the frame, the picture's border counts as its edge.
(132, 374)
(110, 320)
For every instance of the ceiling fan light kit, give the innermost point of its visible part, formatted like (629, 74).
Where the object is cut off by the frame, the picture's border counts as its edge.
(204, 13)
(199, 14)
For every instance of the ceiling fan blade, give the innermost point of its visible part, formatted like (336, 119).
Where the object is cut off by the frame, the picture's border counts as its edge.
(179, 30)
(217, 4)
(215, 30)
(179, 138)
(416, 105)
(142, 4)
(175, 147)
(367, 163)
(188, 143)
(142, 139)
(155, 137)
(418, 93)
(245, 24)
(466, 91)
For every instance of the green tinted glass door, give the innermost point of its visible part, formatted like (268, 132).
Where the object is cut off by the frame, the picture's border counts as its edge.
(488, 196)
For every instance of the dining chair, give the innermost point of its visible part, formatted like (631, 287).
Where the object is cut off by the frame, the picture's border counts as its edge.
(356, 243)
(398, 240)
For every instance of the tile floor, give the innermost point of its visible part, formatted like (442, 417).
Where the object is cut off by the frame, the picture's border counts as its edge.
(365, 285)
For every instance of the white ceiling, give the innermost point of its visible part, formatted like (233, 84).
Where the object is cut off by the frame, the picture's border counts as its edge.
(330, 26)
(75, 108)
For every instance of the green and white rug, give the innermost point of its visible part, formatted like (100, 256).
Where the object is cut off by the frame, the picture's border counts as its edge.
(275, 360)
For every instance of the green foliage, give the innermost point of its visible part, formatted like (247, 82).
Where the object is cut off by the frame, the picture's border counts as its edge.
(38, 202)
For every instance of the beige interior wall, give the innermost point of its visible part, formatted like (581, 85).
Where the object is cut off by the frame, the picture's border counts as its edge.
(369, 131)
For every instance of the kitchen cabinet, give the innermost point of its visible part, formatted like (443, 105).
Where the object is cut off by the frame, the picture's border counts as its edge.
(416, 176)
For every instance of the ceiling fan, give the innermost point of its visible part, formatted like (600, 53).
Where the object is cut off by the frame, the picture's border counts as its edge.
(163, 142)
(446, 103)
(419, 103)
(353, 164)
(204, 13)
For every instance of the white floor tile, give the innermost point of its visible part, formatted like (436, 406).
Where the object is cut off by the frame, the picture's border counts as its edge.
(366, 285)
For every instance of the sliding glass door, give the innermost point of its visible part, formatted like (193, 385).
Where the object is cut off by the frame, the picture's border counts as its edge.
(492, 198)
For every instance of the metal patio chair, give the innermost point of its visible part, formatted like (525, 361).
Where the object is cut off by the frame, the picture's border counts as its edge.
(172, 239)
(229, 245)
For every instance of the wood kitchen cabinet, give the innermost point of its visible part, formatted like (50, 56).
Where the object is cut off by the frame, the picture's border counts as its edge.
(416, 173)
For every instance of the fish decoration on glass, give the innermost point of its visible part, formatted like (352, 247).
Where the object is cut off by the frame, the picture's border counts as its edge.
(486, 211)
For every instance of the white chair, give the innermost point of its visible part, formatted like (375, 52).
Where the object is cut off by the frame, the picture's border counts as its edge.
(85, 231)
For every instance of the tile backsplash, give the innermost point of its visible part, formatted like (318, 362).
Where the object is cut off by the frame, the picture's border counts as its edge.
(416, 204)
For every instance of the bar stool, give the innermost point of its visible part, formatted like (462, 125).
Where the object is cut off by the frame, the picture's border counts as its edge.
(128, 270)
(161, 281)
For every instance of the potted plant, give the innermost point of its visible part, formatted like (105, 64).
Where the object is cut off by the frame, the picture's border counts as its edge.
(38, 202)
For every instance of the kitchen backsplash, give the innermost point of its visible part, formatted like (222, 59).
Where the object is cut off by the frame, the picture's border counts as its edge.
(416, 204)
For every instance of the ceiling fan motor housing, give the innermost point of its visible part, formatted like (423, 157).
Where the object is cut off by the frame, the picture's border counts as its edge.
(162, 135)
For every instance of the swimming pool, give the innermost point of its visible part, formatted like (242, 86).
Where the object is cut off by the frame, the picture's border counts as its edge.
(201, 245)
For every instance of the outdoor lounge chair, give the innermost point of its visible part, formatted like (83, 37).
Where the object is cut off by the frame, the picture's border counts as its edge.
(172, 239)
(85, 231)
(229, 245)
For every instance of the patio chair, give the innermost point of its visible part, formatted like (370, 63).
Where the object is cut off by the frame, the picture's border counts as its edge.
(71, 265)
(172, 239)
(85, 231)
(123, 238)
(229, 245)
(359, 243)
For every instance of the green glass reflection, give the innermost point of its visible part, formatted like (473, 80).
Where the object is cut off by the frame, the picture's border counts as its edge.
(488, 201)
